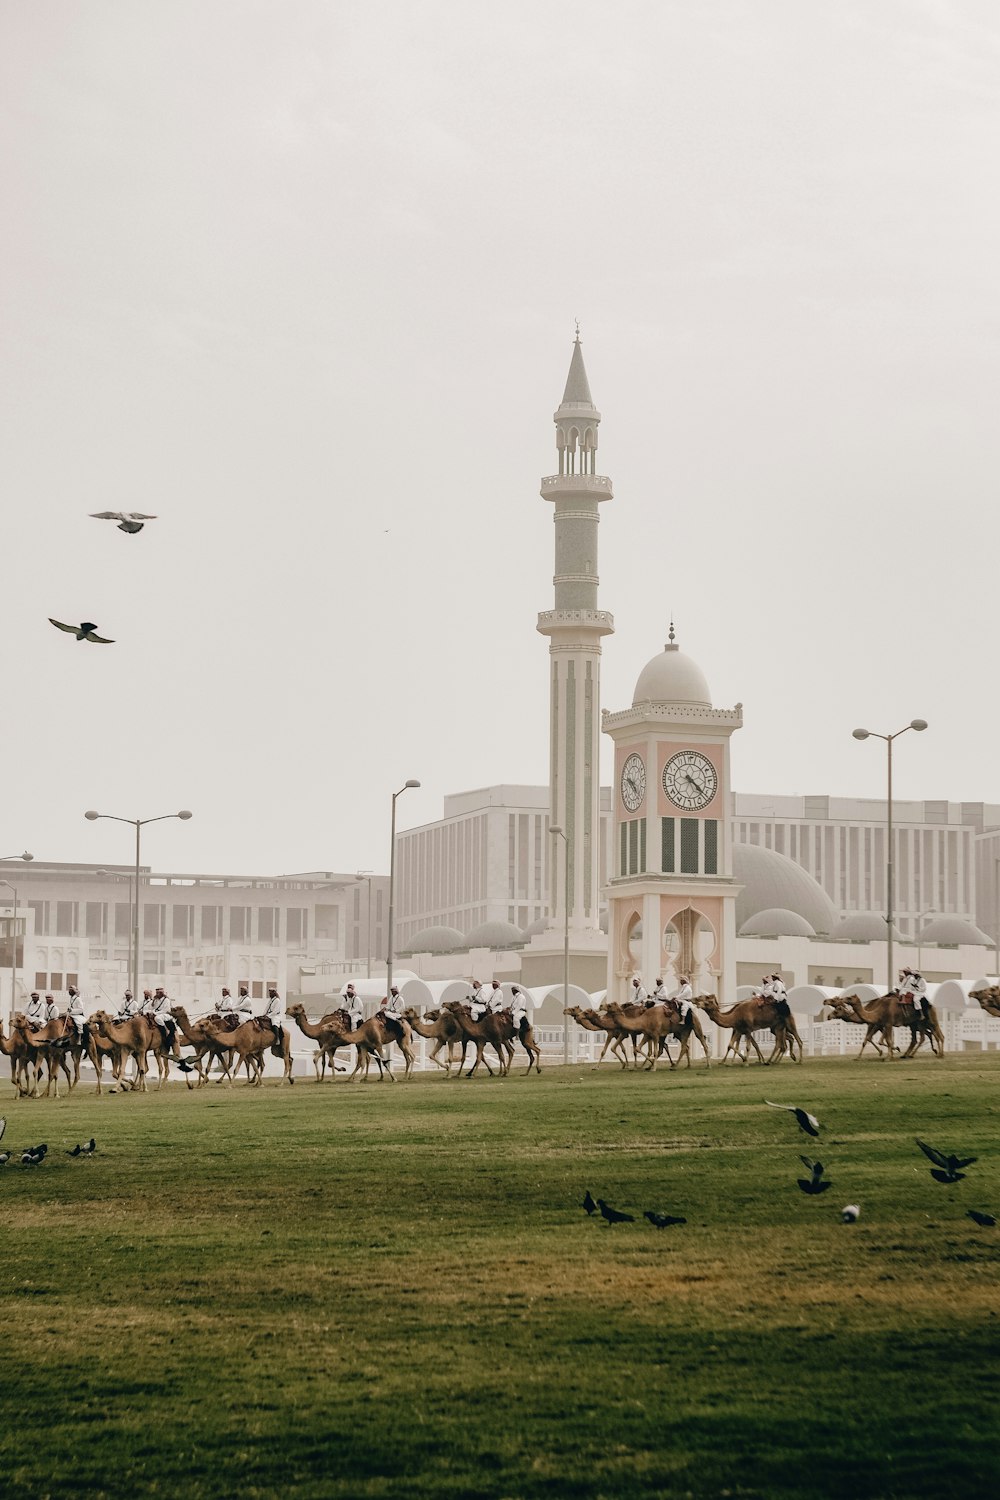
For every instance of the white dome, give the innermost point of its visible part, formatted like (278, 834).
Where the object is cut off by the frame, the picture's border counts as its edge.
(772, 881)
(777, 921)
(864, 927)
(953, 930)
(434, 940)
(672, 677)
(495, 935)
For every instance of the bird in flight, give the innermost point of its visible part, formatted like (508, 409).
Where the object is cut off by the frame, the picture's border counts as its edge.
(945, 1168)
(807, 1122)
(614, 1215)
(813, 1184)
(985, 1221)
(85, 632)
(662, 1221)
(128, 520)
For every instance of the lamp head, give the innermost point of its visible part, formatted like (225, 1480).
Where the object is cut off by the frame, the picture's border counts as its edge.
(555, 828)
(411, 783)
(918, 723)
(91, 815)
(861, 734)
(185, 815)
(27, 857)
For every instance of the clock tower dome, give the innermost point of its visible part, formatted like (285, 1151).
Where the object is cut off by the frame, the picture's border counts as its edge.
(672, 897)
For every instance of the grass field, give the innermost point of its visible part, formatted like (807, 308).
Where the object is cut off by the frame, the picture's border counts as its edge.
(391, 1291)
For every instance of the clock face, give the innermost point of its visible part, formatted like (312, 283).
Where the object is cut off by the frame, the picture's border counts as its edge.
(690, 780)
(633, 783)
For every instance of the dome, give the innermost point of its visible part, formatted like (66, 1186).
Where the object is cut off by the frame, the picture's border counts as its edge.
(772, 882)
(863, 927)
(777, 921)
(540, 925)
(953, 930)
(494, 935)
(435, 940)
(672, 677)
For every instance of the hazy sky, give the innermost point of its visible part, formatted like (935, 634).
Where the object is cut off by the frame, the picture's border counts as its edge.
(302, 279)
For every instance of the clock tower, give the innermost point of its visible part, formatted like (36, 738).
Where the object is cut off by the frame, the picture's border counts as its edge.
(672, 897)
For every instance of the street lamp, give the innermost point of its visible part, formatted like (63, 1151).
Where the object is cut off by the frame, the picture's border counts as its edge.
(13, 930)
(554, 828)
(864, 734)
(138, 824)
(392, 883)
(367, 875)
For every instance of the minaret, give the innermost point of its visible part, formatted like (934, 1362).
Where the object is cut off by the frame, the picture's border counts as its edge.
(574, 628)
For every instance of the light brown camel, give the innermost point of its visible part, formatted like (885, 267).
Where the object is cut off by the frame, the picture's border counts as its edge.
(99, 1048)
(48, 1046)
(614, 1035)
(22, 1061)
(444, 1031)
(525, 1034)
(369, 1039)
(328, 1032)
(205, 1046)
(650, 1023)
(684, 1028)
(748, 1016)
(484, 1032)
(133, 1038)
(247, 1043)
(881, 1016)
(989, 999)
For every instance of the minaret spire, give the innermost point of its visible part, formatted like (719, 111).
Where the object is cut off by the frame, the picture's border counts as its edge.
(575, 627)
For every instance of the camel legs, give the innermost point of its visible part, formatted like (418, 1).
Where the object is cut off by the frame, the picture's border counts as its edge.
(614, 1042)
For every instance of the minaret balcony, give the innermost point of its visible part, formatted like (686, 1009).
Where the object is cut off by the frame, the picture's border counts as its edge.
(580, 484)
(593, 621)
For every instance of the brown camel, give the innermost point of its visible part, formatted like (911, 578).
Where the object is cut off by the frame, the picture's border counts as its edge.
(748, 1016)
(989, 999)
(484, 1032)
(22, 1061)
(205, 1046)
(247, 1043)
(881, 1016)
(47, 1046)
(595, 1020)
(650, 1024)
(444, 1031)
(525, 1034)
(369, 1039)
(134, 1039)
(328, 1032)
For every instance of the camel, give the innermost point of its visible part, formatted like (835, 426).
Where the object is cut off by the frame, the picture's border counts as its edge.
(22, 1061)
(369, 1038)
(133, 1038)
(616, 1036)
(655, 1024)
(748, 1016)
(525, 1034)
(46, 1044)
(485, 1031)
(204, 1046)
(443, 1030)
(881, 1016)
(328, 1031)
(989, 999)
(248, 1042)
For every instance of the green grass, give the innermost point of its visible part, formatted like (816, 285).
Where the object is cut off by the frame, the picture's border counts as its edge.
(391, 1291)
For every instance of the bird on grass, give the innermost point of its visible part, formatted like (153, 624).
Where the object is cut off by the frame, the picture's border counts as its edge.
(614, 1215)
(128, 520)
(946, 1168)
(985, 1221)
(85, 632)
(4, 1158)
(850, 1213)
(33, 1156)
(807, 1122)
(662, 1221)
(87, 1150)
(813, 1184)
(588, 1204)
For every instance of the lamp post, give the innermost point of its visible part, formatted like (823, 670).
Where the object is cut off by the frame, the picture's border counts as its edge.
(367, 875)
(392, 885)
(138, 824)
(13, 930)
(864, 734)
(561, 833)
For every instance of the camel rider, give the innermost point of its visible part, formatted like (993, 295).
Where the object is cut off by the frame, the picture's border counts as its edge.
(127, 1009)
(75, 1011)
(780, 996)
(684, 997)
(496, 1001)
(226, 1006)
(274, 1011)
(51, 1009)
(639, 996)
(354, 1006)
(157, 1009)
(913, 991)
(659, 996)
(390, 1012)
(244, 1005)
(519, 1006)
(35, 1012)
(476, 1001)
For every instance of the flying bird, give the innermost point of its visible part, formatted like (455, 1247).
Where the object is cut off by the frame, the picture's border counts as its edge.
(807, 1122)
(588, 1203)
(186, 1064)
(128, 520)
(985, 1221)
(850, 1213)
(84, 632)
(813, 1184)
(951, 1165)
(662, 1221)
(614, 1215)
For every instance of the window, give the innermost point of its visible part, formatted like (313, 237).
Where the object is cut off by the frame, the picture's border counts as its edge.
(65, 919)
(73, 979)
(183, 924)
(667, 843)
(154, 918)
(378, 905)
(633, 847)
(211, 924)
(689, 846)
(55, 982)
(257, 990)
(95, 919)
(40, 909)
(711, 846)
(297, 923)
(123, 920)
(267, 924)
(239, 924)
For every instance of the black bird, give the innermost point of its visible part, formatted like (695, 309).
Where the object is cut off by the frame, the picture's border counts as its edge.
(662, 1221)
(84, 632)
(128, 520)
(186, 1064)
(89, 1148)
(33, 1158)
(807, 1122)
(75, 1151)
(588, 1203)
(952, 1165)
(4, 1158)
(940, 1175)
(985, 1221)
(613, 1215)
(813, 1184)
